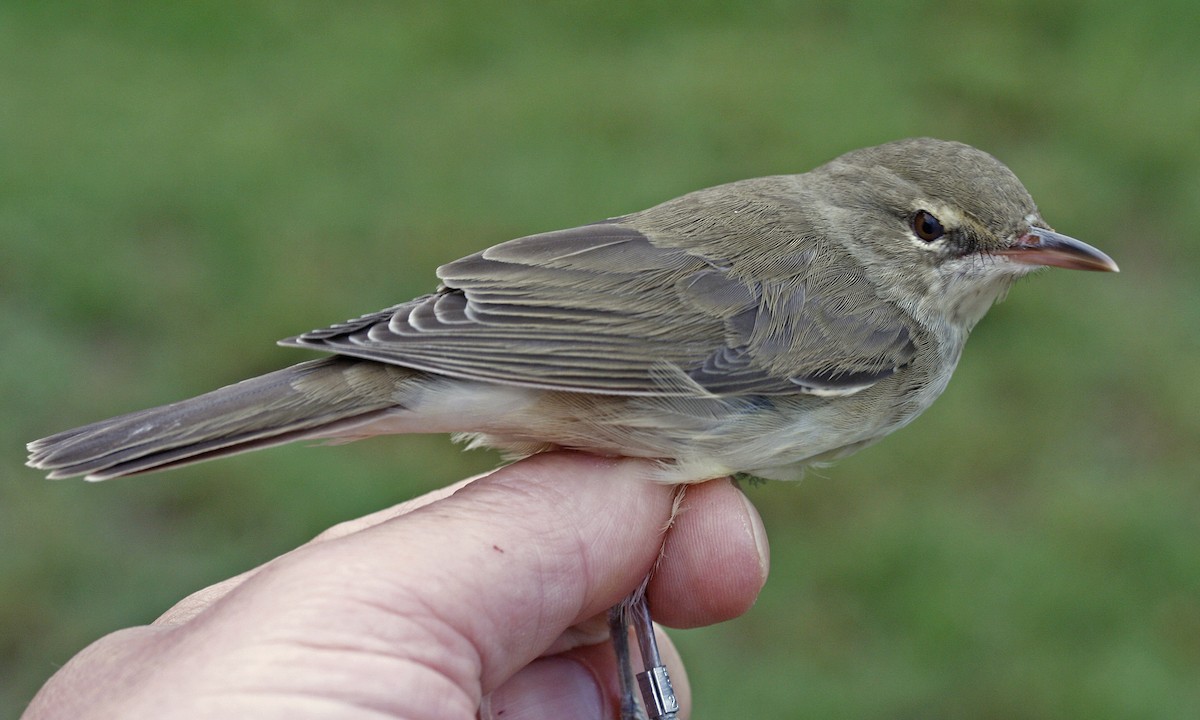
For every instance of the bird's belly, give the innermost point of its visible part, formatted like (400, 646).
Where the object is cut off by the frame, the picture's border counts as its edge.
(699, 438)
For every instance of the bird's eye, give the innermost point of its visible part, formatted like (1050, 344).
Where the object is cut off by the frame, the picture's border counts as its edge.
(927, 227)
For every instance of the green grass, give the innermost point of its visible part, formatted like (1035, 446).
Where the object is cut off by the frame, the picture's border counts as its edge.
(183, 183)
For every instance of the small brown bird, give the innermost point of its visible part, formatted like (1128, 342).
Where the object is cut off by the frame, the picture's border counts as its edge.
(755, 327)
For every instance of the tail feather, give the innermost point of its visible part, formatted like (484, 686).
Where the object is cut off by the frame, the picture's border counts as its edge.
(312, 399)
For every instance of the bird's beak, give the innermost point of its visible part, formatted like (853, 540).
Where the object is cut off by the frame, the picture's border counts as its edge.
(1046, 247)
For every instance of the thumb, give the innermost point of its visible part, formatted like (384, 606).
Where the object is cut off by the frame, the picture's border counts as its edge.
(456, 596)
(516, 558)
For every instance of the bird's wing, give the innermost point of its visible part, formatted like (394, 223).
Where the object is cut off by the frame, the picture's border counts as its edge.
(603, 308)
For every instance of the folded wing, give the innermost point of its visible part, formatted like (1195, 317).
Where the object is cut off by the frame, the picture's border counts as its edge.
(606, 308)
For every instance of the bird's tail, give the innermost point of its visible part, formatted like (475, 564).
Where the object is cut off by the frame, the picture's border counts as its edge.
(320, 398)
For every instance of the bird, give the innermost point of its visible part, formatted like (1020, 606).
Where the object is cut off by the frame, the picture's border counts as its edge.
(756, 328)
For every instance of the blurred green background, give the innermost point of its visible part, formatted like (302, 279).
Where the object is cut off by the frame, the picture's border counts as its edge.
(183, 183)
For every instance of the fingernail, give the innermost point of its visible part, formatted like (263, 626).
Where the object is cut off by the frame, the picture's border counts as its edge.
(754, 525)
(549, 687)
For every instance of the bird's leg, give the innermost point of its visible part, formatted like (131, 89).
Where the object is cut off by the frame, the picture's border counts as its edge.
(654, 682)
(618, 628)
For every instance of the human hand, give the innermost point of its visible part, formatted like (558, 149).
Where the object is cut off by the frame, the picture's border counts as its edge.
(487, 597)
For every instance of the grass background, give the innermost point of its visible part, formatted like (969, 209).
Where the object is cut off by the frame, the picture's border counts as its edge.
(183, 183)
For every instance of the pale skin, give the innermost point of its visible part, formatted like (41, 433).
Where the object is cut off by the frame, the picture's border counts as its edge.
(485, 599)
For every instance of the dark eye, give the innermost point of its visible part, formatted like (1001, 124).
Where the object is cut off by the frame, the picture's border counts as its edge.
(927, 227)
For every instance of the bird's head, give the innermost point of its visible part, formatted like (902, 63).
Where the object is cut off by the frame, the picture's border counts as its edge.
(945, 228)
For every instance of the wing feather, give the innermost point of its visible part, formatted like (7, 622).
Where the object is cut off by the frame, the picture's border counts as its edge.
(603, 308)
